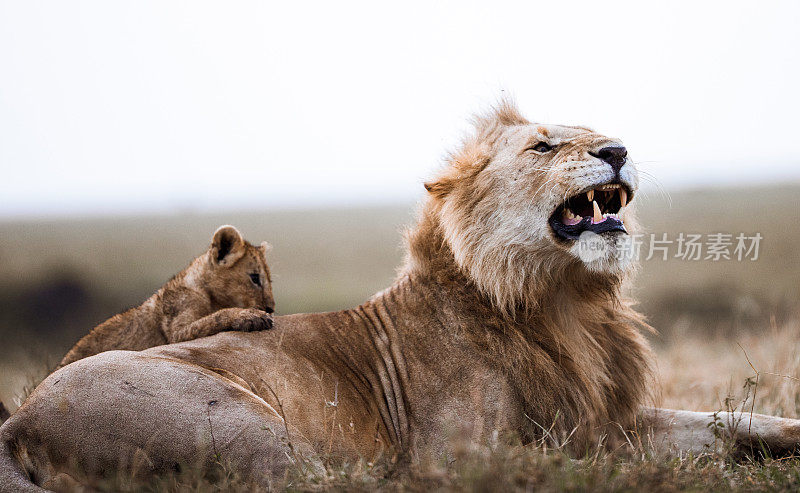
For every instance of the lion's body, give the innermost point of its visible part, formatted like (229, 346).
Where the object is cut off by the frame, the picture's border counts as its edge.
(422, 359)
(493, 327)
(203, 299)
(372, 380)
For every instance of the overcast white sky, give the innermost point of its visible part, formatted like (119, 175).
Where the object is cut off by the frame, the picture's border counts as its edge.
(125, 107)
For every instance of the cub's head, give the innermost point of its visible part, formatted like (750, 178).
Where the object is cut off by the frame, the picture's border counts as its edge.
(236, 274)
(520, 203)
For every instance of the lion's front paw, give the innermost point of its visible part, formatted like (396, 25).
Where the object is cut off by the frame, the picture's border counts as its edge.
(251, 320)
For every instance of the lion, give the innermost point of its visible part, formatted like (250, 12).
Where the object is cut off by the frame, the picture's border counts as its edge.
(227, 288)
(499, 324)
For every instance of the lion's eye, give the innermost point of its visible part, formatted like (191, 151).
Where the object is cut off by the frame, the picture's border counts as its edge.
(256, 279)
(542, 147)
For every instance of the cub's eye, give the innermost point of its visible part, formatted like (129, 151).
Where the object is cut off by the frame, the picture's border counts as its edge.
(256, 279)
(542, 147)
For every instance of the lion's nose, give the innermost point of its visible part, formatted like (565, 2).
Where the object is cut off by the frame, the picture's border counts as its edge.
(613, 155)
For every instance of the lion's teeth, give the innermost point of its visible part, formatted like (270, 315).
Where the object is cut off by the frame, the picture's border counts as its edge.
(598, 216)
(623, 197)
(590, 195)
(568, 214)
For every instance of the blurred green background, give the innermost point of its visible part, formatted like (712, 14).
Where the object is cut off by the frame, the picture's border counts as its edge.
(59, 278)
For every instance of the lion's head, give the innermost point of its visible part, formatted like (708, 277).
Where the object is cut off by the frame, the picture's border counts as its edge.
(520, 203)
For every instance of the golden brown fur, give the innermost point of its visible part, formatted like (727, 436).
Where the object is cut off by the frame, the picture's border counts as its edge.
(493, 327)
(574, 355)
(213, 294)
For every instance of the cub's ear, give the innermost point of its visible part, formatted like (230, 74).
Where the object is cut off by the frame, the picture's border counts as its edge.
(227, 246)
(264, 247)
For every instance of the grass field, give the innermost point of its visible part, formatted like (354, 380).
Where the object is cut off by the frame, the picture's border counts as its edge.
(59, 278)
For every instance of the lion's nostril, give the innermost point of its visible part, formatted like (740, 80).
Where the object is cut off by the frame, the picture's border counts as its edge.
(613, 155)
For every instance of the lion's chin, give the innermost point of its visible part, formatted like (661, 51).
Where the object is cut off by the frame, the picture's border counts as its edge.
(606, 253)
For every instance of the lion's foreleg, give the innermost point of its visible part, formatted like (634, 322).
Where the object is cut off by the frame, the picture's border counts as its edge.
(675, 432)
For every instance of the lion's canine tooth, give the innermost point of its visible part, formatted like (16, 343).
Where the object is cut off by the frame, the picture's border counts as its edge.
(590, 195)
(598, 216)
(623, 197)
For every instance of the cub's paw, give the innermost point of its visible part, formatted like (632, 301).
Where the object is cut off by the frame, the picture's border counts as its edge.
(251, 320)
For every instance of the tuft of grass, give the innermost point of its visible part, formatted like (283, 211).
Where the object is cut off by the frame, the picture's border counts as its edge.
(511, 468)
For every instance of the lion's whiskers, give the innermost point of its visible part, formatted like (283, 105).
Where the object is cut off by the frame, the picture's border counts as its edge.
(653, 180)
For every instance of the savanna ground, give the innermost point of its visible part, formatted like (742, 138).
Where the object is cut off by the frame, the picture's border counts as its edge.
(728, 331)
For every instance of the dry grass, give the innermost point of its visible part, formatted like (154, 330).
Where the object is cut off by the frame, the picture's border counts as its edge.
(699, 372)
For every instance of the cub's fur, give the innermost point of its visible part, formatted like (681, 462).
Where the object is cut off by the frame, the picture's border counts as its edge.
(227, 288)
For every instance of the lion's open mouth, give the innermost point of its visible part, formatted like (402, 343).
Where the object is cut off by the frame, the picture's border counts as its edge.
(594, 210)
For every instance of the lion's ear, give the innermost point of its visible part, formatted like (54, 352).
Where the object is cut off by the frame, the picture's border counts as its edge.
(227, 246)
(440, 188)
(465, 164)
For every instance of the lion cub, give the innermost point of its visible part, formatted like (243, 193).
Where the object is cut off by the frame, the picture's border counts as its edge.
(227, 288)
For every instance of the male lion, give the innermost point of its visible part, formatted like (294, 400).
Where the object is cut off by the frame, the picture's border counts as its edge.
(499, 322)
(227, 288)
